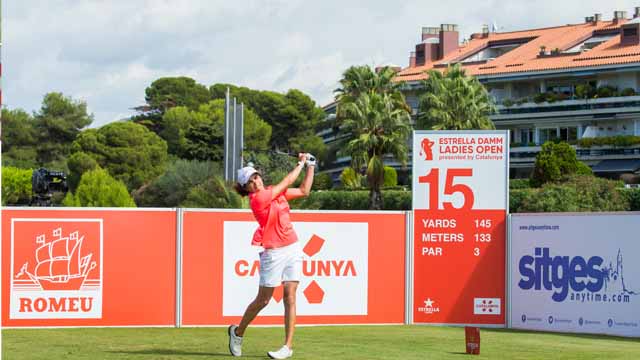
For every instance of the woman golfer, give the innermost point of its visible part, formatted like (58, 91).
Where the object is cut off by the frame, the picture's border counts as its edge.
(281, 260)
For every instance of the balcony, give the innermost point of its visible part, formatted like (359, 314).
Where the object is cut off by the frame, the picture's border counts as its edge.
(575, 107)
(523, 156)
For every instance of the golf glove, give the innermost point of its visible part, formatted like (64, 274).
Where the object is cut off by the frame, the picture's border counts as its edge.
(311, 160)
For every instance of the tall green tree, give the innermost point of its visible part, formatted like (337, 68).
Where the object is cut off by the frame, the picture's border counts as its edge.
(57, 124)
(128, 151)
(293, 116)
(19, 140)
(361, 79)
(199, 134)
(454, 101)
(378, 127)
(166, 93)
(177, 122)
(79, 163)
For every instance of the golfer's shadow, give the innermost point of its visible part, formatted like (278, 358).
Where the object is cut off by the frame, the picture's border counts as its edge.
(179, 352)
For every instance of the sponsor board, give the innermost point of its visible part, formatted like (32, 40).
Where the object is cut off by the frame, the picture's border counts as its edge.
(88, 267)
(354, 271)
(575, 274)
(56, 268)
(334, 267)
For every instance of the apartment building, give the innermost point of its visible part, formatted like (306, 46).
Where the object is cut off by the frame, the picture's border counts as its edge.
(578, 83)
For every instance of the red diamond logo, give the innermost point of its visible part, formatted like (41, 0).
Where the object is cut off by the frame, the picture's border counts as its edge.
(314, 293)
(313, 245)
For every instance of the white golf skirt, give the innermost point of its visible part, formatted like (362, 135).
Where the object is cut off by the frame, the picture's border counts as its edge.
(281, 264)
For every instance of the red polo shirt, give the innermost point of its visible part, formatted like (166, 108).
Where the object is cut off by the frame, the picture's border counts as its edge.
(273, 217)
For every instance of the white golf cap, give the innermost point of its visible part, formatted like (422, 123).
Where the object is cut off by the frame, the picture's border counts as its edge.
(245, 173)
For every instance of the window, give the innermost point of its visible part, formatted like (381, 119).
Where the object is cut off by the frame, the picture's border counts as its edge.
(591, 42)
(547, 135)
(526, 136)
(495, 49)
(630, 31)
(569, 133)
(565, 89)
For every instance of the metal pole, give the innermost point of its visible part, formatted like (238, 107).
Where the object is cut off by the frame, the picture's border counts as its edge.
(241, 133)
(233, 140)
(226, 135)
(408, 276)
(179, 231)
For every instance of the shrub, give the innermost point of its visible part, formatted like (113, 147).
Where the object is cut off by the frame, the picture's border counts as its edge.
(517, 197)
(633, 197)
(98, 189)
(79, 163)
(352, 200)
(172, 187)
(350, 179)
(213, 193)
(577, 194)
(322, 181)
(628, 92)
(519, 183)
(540, 98)
(390, 177)
(553, 162)
(585, 91)
(507, 102)
(607, 91)
(583, 169)
(618, 141)
(396, 200)
(16, 186)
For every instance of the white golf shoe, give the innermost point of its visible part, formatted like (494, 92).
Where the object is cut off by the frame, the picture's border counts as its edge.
(235, 341)
(283, 353)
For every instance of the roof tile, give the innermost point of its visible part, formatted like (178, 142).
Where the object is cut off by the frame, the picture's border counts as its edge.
(525, 58)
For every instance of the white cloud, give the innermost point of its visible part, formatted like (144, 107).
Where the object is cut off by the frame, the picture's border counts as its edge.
(108, 52)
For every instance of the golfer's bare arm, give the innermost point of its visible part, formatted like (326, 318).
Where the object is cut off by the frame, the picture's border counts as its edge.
(287, 181)
(305, 187)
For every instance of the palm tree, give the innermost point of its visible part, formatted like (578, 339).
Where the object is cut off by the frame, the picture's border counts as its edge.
(358, 80)
(454, 101)
(377, 127)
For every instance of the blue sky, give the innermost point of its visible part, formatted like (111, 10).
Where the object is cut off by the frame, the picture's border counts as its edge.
(107, 52)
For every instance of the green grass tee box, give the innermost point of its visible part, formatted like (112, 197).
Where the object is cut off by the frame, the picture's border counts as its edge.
(318, 342)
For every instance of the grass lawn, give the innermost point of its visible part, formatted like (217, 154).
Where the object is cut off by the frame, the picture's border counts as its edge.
(326, 342)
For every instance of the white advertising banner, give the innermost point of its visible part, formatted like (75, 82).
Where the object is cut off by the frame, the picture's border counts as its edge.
(335, 269)
(575, 273)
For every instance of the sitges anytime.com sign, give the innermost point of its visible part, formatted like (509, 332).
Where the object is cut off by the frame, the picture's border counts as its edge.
(575, 273)
(56, 269)
(335, 269)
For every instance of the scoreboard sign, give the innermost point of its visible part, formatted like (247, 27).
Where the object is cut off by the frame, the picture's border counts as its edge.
(460, 197)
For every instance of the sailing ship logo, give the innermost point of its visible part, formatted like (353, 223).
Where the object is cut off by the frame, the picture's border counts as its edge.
(60, 265)
(56, 268)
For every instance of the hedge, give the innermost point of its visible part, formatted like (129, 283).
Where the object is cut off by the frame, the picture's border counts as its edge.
(579, 194)
(352, 200)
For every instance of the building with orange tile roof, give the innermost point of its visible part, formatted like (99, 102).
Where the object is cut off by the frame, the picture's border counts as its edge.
(558, 83)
